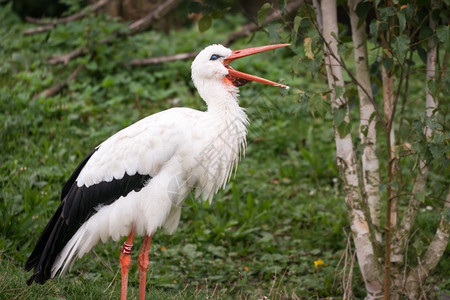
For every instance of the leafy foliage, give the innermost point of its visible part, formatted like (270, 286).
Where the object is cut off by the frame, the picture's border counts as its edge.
(264, 234)
(400, 35)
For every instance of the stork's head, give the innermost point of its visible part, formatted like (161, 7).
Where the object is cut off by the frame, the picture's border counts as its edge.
(212, 67)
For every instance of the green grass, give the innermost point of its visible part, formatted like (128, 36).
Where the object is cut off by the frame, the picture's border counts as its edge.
(12, 278)
(261, 235)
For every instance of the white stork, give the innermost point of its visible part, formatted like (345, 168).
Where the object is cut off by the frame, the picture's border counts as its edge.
(135, 181)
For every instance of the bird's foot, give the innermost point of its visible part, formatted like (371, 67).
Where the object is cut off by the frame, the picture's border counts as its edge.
(143, 264)
(125, 264)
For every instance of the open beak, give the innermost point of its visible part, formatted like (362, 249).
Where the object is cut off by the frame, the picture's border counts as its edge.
(239, 78)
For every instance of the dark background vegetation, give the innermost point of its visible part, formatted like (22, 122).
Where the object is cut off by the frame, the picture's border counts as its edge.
(262, 234)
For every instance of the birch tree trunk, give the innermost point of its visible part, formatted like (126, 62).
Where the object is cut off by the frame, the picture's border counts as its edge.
(434, 253)
(367, 133)
(401, 236)
(347, 161)
(395, 29)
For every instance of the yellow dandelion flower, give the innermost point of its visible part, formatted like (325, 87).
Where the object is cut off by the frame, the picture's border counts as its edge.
(163, 248)
(318, 263)
(246, 269)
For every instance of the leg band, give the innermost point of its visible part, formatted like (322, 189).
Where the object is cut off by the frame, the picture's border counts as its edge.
(126, 249)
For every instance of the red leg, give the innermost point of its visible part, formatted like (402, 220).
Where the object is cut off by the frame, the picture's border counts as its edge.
(143, 265)
(125, 263)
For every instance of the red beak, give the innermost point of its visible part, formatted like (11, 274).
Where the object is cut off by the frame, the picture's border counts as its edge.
(239, 78)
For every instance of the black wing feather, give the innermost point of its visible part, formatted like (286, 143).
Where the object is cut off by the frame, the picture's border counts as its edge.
(75, 174)
(77, 205)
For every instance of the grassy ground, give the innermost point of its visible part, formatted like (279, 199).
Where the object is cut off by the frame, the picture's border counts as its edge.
(279, 227)
(261, 235)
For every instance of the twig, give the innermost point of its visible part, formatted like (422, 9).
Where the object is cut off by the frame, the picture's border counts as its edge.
(250, 28)
(347, 70)
(159, 13)
(79, 15)
(245, 31)
(39, 29)
(161, 59)
(155, 15)
(59, 86)
(141, 25)
(273, 284)
(112, 281)
(103, 262)
(135, 27)
(433, 254)
(65, 58)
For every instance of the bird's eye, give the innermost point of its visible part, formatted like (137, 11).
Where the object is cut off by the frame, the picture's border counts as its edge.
(214, 57)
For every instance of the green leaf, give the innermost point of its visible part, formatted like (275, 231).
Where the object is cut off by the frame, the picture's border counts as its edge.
(401, 20)
(388, 63)
(446, 214)
(92, 65)
(204, 23)
(303, 96)
(418, 245)
(422, 54)
(443, 34)
(364, 130)
(296, 64)
(438, 151)
(315, 251)
(373, 27)
(362, 9)
(274, 33)
(339, 116)
(338, 90)
(344, 129)
(425, 32)
(107, 81)
(217, 14)
(317, 105)
(420, 196)
(386, 12)
(351, 93)
(262, 13)
(297, 21)
(400, 44)
(307, 42)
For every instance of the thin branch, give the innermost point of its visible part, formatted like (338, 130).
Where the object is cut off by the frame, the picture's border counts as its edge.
(405, 94)
(319, 17)
(59, 86)
(348, 71)
(144, 23)
(39, 29)
(161, 59)
(135, 27)
(433, 254)
(157, 14)
(65, 58)
(50, 24)
(276, 15)
(241, 33)
(421, 177)
(79, 15)
(397, 94)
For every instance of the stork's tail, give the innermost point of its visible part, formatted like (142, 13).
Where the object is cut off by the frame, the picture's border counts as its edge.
(52, 240)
